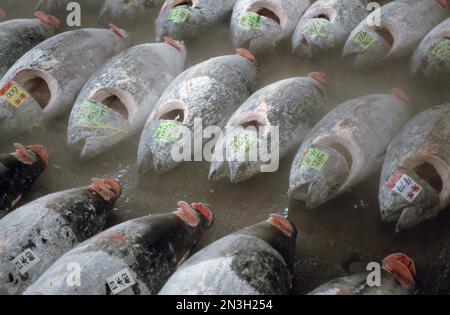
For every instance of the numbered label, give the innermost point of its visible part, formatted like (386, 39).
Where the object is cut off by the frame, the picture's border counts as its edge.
(25, 261)
(319, 27)
(120, 281)
(315, 159)
(179, 15)
(364, 39)
(250, 20)
(14, 94)
(405, 186)
(441, 50)
(93, 112)
(168, 130)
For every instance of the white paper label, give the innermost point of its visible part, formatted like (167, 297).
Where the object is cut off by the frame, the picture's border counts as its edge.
(25, 261)
(120, 281)
(408, 188)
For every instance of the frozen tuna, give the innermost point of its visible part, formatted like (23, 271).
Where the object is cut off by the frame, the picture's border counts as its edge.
(261, 25)
(136, 257)
(128, 10)
(117, 100)
(183, 19)
(293, 106)
(204, 95)
(403, 24)
(20, 35)
(415, 181)
(326, 25)
(34, 236)
(44, 83)
(346, 146)
(432, 58)
(397, 278)
(18, 172)
(255, 261)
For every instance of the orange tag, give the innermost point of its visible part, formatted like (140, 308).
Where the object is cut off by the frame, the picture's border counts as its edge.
(14, 94)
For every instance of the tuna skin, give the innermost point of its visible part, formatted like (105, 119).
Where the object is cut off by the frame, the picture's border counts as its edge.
(211, 91)
(53, 73)
(137, 78)
(19, 36)
(275, 26)
(431, 65)
(128, 11)
(357, 285)
(202, 14)
(355, 135)
(255, 261)
(421, 151)
(49, 226)
(339, 18)
(404, 23)
(294, 105)
(16, 178)
(151, 247)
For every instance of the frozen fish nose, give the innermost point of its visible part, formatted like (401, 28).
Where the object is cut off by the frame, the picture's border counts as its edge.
(282, 224)
(316, 182)
(106, 188)
(402, 268)
(205, 211)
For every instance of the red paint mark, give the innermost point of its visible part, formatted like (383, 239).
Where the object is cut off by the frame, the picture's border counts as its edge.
(394, 179)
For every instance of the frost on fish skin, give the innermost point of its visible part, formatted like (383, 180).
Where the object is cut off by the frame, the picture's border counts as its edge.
(357, 285)
(150, 247)
(432, 58)
(294, 105)
(404, 23)
(50, 68)
(210, 91)
(128, 11)
(16, 178)
(49, 226)
(277, 21)
(421, 151)
(200, 15)
(19, 36)
(134, 79)
(255, 261)
(326, 25)
(352, 140)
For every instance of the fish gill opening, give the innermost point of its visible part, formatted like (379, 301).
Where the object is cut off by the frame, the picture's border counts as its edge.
(322, 16)
(251, 120)
(429, 174)
(112, 101)
(273, 13)
(37, 85)
(176, 114)
(386, 34)
(342, 150)
(188, 3)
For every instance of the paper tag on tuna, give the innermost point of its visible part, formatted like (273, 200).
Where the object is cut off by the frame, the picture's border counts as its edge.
(364, 39)
(120, 281)
(250, 20)
(319, 27)
(315, 159)
(407, 187)
(93, 112)
(441, 50)
(243, 144)
(168, 130)
(179, 15)
(14, 94)
(25, 261)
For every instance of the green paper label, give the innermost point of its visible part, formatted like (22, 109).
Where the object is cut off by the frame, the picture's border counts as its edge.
(315, 159)
(441, 50)
(250, 20)
(243, 143)
(319, 27)
(168, 130)
(364, 39)
(92, 112)
(179, 15)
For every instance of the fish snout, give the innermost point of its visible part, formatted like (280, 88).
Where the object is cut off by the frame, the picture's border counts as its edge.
(402, 268)
(319, 174)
